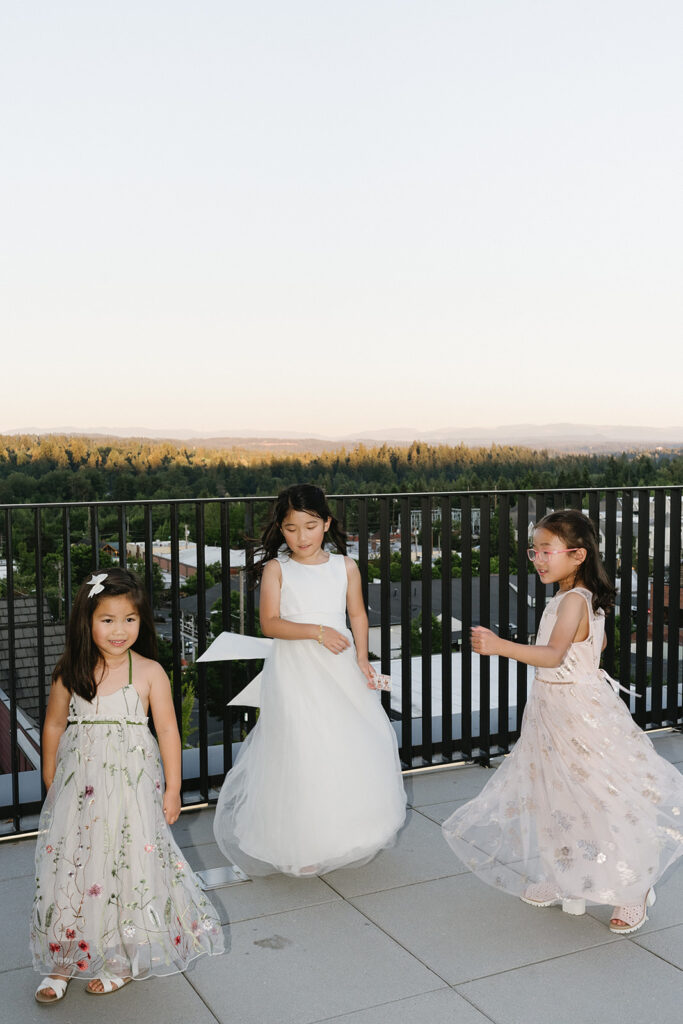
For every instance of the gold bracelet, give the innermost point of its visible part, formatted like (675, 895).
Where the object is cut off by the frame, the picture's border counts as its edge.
(321, 631)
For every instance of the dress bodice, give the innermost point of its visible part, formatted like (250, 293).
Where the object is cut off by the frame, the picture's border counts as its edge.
(583, 658)
(314, 593)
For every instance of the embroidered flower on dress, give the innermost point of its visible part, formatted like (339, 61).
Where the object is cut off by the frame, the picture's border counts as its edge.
(70, 933)
(179, 864)
(601, 858)
(177, 940)
(55, 947)
(150, 847)
(95, 890)
(89, 791)
(82, 965)
(83, 945)
(129, 931)
(48, 848)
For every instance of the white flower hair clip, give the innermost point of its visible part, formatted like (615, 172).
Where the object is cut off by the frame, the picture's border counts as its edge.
(95, 584)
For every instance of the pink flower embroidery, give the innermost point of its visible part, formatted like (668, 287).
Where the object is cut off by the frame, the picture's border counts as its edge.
(82, 965)
(177, 940)
(95, 890)
(157, 784)
(54, 947)
(70, 933)
(89, 791)
(150, 847)
(179, 864)
(83, 945)
(48, 848)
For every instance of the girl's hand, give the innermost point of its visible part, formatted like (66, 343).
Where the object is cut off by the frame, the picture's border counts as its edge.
(368, 671)
(171, 807)
(334, 641)
(484, 641)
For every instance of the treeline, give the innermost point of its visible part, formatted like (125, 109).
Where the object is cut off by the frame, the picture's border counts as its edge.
(53, 468)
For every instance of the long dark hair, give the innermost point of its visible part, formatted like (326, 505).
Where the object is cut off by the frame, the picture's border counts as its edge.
(577, 531)
(77, 665)
(297, 498)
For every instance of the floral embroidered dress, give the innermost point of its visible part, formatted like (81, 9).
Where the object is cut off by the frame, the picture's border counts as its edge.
(114, 895)
(583, 802)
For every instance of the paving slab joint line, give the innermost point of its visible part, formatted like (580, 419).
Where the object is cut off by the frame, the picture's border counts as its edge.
(201, 998)
(397, 1002)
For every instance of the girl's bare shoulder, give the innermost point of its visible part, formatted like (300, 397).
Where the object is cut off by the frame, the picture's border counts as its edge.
(272, 570)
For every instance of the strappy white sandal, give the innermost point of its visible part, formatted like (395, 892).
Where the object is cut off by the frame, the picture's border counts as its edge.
(634, 915)
(543, 894)
(58, 986)
(110, 984)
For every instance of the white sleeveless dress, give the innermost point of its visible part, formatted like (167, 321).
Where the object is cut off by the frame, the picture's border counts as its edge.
(583, 802)
(114, 894)
(317, 784)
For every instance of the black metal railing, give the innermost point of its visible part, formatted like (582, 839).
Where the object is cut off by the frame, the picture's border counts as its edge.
(483, 576)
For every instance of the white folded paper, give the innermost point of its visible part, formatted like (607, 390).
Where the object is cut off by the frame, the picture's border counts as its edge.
(250, 696)
(237, 647)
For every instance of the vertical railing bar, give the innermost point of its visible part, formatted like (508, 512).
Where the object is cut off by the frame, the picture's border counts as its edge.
(93, 512)
(66, 559)
(226, 625)
(540, 595)
(149, 553)
(503, 619)
(466, 646)
(176, 630)
(11, 672)
(643, 596)
(485, 620)
(611, 569)
(625, 592)
(40, 627)
(249, 595)
(385, 596)
(363, 546)
(426, 645)
(673, 708)
(522, 600)
(123, 537)
(657, 604)
(446, 632)
(201, 647)
(406, 659)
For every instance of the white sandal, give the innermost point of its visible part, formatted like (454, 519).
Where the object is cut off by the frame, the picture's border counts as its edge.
(543, 894)
(109, 984)
(634, 915)
(58, 986)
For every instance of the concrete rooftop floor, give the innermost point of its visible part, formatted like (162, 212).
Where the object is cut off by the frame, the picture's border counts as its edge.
(411, 938)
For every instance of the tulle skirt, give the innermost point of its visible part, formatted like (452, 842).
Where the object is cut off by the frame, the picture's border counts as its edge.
(317, 784)
(583, 802)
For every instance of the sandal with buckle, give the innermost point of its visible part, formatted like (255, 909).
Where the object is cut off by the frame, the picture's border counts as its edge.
(58, 986)
(634, 915)
(543, 894)
(109, 984)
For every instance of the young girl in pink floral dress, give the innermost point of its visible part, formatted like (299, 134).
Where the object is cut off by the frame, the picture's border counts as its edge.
(583, 809)
(115, 900)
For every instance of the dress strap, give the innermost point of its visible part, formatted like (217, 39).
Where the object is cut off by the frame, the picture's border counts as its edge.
(130, 667)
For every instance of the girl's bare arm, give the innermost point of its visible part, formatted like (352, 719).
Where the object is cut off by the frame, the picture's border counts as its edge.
(358, 618)
(55, 723)
(572, 618)
(163, 713)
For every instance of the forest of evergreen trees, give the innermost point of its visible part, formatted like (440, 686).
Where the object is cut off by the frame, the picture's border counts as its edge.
(53, 468)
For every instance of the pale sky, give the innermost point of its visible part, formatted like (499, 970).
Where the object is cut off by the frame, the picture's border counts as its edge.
(332, 217)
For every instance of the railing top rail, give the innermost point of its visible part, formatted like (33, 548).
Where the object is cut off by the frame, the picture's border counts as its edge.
(232, 499)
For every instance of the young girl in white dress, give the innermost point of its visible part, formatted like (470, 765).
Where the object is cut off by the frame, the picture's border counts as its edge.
(115, 899)
(583, 808)
(317, 784)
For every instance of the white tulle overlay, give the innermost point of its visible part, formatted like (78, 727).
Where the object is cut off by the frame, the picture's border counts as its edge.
(114, 894)
(317, 784)
(583, 802)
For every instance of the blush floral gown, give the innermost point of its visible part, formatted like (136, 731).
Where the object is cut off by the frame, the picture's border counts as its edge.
(114, 894)
(583, 802)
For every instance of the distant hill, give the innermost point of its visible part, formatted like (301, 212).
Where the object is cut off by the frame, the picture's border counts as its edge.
(561, 437)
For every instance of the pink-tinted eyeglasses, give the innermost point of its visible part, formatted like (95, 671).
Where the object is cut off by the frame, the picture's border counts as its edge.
(543, 556)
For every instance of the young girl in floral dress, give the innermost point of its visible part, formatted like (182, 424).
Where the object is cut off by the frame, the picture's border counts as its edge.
(583, 809)
(115, 900)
